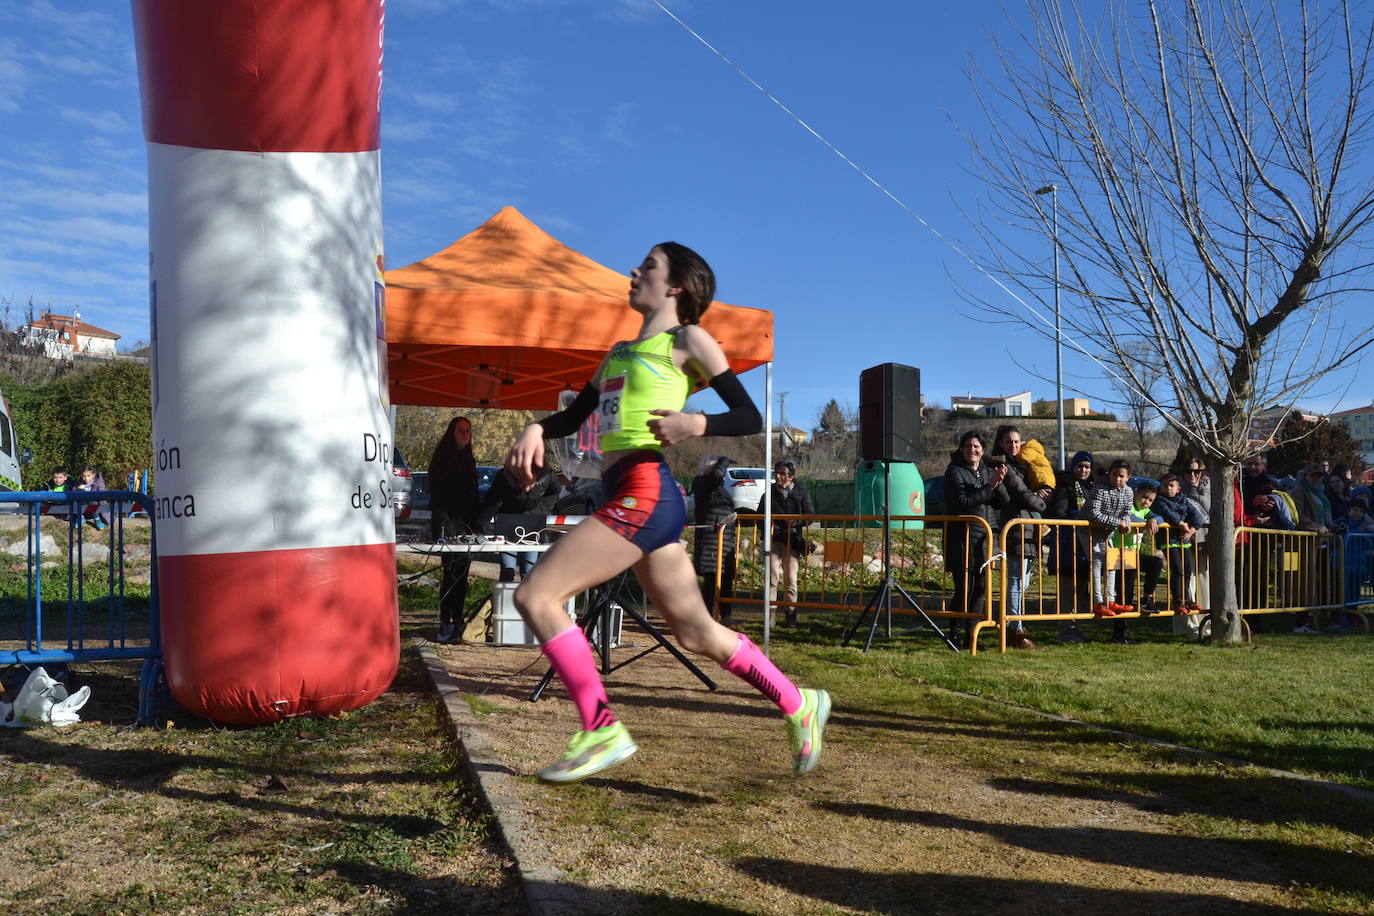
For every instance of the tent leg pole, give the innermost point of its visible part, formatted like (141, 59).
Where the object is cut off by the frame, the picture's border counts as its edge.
(767, 505)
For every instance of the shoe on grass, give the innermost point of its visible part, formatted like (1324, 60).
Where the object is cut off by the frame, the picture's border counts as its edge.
(590, 752)
(805, 729)
(445, 634)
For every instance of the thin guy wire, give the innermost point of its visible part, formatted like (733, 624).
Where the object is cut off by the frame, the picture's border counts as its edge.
(898, 201)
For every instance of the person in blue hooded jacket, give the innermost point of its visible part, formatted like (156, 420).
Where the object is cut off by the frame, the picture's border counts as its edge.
(1180, 542)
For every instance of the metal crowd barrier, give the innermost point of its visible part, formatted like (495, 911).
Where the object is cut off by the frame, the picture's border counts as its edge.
(1289, 571)
(843, 564)
(1276, 571)
(1058, 583)
(71, 604)
(1359, 570)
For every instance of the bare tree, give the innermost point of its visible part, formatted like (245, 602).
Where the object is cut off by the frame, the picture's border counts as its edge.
(1139, 402)
(834, 442)
(1213, 200)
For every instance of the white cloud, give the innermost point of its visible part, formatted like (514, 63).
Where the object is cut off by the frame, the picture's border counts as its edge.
(13, 76)
(108, 151)
(414, 189)
(109, 122)
(70, 63)
(616, 127)
(58, 283)
(73, 200)
(85, 29)
(405, 130)
(435, 101)
(73, 236)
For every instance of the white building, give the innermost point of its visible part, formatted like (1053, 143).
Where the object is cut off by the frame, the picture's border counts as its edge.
(63, 336)
(1264, 426)
(1006, 405)
(1359, 422)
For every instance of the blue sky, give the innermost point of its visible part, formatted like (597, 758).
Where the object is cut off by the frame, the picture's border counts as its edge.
(610, 126)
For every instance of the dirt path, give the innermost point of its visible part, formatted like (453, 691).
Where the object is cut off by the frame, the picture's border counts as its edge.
(937, 804)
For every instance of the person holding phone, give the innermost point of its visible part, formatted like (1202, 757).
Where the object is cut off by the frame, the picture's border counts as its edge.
(973, 486)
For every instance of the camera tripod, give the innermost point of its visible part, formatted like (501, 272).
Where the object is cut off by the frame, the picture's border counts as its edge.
(596, 622)
(881, 602)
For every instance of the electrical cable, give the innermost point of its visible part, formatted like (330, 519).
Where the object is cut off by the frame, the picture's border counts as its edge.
(912, 213)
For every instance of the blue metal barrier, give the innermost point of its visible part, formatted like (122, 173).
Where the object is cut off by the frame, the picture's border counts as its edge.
(91, 630)
(1359, 570)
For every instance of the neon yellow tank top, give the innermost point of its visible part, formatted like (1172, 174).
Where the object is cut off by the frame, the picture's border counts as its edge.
(638, 378)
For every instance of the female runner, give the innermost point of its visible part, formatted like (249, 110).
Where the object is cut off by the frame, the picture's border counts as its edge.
(640, 390)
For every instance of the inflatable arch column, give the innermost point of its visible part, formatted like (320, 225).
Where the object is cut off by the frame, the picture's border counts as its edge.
(272, 444)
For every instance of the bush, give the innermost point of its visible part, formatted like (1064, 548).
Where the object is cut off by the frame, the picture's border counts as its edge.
(102, 417)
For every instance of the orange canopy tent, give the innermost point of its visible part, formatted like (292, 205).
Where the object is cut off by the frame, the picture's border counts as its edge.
(508, 316)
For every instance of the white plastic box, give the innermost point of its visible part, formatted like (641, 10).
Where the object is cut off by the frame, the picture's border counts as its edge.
(508, 628)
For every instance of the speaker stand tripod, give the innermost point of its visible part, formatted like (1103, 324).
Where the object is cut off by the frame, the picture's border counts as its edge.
(881, 602)
(598, 617)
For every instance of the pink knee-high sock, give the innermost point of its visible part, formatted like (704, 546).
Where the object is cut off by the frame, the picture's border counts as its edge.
(571, 657)
(751, 665)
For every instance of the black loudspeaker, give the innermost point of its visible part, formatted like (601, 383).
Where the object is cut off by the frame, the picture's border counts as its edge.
(890, 413)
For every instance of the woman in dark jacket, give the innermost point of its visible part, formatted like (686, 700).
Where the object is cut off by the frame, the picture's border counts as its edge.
(789, 538)
(713, 506)
(1071, 551)
(1023, 541)
(453, 511)
(972, 487)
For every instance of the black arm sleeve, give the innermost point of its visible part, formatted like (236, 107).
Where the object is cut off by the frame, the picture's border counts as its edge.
(569, 419)
(742, 419)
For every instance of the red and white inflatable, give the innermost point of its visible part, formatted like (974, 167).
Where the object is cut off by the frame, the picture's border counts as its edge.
(272, 446)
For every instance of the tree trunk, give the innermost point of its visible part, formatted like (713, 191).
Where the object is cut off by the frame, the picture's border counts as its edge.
(1227, 628)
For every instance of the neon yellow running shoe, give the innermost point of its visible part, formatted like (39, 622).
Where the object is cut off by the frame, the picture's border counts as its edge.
(590, 752)
(805, 728)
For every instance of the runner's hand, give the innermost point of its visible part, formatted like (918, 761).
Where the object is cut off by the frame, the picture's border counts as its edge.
(674, 426)
(526, 455)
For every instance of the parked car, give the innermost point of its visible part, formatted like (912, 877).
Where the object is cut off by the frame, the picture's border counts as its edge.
(486, 475)
(582, 497)
(402, 484)
(419, 490)
(746, 487)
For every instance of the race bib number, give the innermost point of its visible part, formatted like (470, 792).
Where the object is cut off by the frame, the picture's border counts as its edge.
(611, 391)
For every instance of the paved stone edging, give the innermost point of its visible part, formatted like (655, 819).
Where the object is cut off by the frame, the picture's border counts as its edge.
(546, 890)
(1352, 791)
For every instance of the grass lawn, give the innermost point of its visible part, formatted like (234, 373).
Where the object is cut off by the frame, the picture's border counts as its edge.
(1301, 703)
(928, 800)
(360, 813)
(369, 813)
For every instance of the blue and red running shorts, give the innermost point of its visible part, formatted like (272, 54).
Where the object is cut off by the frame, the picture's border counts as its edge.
(643, 502)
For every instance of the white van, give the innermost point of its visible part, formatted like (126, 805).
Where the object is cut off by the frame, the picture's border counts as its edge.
(10, 456)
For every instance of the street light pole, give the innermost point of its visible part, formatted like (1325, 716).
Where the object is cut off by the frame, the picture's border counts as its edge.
(1053, 191)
